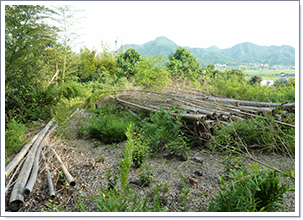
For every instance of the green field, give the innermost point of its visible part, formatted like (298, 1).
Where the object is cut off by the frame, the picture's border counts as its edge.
(268, 74)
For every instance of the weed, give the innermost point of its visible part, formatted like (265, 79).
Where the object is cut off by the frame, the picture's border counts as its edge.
(125, 163)
(164, 161)
(96, 143)
(115, 201)
(185, 191)
(101, 159)
(54, 206)
(250, 191)
(112, 178)
(146, 176)
(14, 137)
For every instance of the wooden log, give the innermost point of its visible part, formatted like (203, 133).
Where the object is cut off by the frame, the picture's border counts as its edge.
(12, 165)
(30, 184)
(17, 198)
(69, 178)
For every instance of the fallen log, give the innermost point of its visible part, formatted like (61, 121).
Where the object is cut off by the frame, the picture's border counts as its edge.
(12, 165)
(69, 178)
(30, 184)
(17, 198)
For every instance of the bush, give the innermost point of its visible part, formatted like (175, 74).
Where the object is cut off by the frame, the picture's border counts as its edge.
(109, 125)
(151, 74)
(258, 133)
(14, 137)
(250, 191)
(165, 132)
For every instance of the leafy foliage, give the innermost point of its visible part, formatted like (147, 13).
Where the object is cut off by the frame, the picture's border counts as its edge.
(182, 62)
(258, 134)
(250, 191)
(27, 39)
(14, 136)
(127, 62)
(165, 132)
(151, 73)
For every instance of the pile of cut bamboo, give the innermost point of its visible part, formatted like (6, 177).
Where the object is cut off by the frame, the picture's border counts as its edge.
(199, 108)
(28, 161)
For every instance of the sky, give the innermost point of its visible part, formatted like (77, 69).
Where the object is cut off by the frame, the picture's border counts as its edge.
(194, 24)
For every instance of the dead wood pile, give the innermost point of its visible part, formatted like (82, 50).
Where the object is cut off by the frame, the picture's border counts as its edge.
(199, 108)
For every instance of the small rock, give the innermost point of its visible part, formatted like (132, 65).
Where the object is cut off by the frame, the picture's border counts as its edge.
(198, 159)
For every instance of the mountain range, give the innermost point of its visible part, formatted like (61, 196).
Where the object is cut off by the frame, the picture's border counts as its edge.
(243, 53)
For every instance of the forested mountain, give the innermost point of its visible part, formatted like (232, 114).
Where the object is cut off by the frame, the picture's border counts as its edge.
(242, 53)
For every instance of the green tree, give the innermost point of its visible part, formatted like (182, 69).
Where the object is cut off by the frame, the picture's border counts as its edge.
(28, 36)
(127, 62)
(67, 18)
(182, 62)
(152, 73)
(87, 64)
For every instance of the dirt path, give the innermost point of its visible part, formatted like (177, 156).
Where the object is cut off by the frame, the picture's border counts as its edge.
(81, 158)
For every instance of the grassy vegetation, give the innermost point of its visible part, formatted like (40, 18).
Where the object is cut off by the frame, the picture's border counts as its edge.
(269, 74)
(148, 137)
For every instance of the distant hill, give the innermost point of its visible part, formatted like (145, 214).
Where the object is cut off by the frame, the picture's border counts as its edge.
(242, 53)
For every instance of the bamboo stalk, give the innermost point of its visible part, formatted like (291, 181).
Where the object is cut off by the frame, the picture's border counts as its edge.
(17, 198)
(12, 165)
(14, 174)
(30, 184)
(49, 180)
(69, 177)
(247, 103)
(184, 116)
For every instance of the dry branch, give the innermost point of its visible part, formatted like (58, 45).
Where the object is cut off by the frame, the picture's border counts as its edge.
(17, 198)
(69, 177)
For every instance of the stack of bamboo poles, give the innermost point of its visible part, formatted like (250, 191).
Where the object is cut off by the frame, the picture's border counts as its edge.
(200, 108)
(28, 161)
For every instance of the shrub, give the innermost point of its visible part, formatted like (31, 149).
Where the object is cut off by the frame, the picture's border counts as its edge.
(109, 125)
(146, 176)
(165, 132)
(250, 191)
(14, 136)
(258, 133)
(115, 201)
(151, 74)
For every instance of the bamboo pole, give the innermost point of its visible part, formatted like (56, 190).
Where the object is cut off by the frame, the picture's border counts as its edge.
(69, 177)
(184, 116)
(12, 165)
(17, 198)
(14, 174)
(49, 180)
(30, 184)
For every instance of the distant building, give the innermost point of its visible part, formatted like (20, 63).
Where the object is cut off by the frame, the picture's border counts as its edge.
(267, 82)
